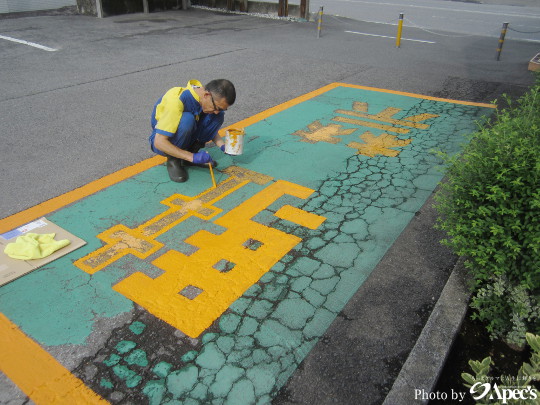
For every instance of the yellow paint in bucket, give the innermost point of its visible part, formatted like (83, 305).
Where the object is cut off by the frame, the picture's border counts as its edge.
(234, 141)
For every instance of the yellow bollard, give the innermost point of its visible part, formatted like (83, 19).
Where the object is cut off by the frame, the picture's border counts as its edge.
(320, 22)
(501, 40)
(399, 29)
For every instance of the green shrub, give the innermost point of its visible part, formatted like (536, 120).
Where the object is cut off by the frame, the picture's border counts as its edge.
(507, 310)
(490, 209)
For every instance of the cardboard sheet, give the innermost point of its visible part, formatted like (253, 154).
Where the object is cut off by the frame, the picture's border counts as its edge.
(11, 269)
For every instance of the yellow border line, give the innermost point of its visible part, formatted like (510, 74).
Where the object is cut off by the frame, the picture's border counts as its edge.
(37, 373)
(402, 93)
(37, 211)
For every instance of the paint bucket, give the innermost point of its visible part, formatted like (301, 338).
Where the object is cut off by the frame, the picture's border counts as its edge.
(234, 141)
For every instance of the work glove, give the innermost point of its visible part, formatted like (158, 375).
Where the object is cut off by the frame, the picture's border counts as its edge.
(200, 158)
(222, 147)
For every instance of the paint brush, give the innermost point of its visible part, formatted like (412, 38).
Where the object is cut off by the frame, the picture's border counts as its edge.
(212, 174)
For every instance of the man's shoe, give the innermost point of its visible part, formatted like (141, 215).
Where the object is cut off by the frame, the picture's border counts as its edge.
(176, 170)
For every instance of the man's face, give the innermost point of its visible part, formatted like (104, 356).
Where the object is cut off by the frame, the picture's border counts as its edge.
(212, 104)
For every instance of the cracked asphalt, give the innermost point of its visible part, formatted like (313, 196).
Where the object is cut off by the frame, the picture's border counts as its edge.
(305, 276)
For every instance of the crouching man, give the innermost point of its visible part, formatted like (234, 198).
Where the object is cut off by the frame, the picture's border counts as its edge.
(184, 119)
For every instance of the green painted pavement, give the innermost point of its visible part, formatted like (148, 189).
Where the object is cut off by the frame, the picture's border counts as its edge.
(254, 347)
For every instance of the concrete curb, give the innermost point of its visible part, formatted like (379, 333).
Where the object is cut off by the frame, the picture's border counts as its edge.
(426, 360)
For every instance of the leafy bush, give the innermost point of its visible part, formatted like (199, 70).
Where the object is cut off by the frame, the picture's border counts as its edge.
(490, 209)
(508, 310)
(512, 390)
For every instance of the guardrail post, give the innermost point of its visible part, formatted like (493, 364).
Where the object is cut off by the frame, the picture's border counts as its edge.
(399, 29)
(501, 40)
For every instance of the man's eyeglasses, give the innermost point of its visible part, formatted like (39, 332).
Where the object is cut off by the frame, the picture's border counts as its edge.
(214, 103)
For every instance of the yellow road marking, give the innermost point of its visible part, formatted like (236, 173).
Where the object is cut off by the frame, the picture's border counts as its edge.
(37, 373)
(22, 367)
(161, 295)
(386, 116)
(140, 242)
(369, 124)
(378, 145)
(37, 211)
(300, 217)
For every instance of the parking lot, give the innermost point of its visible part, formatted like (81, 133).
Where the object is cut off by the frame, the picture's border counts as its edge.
(316, 248)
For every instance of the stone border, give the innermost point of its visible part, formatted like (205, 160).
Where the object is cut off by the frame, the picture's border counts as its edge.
(428, 356)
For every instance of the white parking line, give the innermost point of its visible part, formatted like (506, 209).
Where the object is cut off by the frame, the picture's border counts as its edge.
(384, 36)
(450, 7)
(22, 41)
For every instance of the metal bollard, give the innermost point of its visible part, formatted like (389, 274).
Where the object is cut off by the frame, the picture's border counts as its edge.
(320, 22)
(399, 29)
(99, 9)
(501, 40)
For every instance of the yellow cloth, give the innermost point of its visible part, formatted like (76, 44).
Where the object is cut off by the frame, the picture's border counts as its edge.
(34, 246)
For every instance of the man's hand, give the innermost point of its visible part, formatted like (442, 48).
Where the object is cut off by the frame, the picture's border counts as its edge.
(201, 158)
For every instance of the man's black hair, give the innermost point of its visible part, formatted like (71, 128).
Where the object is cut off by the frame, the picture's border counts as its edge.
(222, 88)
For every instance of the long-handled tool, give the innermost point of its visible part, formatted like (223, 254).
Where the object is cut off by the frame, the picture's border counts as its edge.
(212, 174)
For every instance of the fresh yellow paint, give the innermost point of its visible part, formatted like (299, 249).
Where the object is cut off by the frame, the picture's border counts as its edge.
(37, 373)
(300, 217)
(161, 295)
(140, 242)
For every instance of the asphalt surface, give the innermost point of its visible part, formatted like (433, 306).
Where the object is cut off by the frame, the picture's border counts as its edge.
(73, 115)
(453, 18)
(269, 59)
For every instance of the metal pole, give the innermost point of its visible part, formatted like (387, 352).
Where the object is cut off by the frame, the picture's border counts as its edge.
(146, 10)
(501, 40)
(320, 22)
(99, 9)
(399, 29)
(304, 9)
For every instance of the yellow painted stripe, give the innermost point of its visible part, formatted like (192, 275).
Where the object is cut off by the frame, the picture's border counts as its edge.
(370, 124)
(37, 211)
(300, 217)
(447, 100)
(23, 217)
(37, 373)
